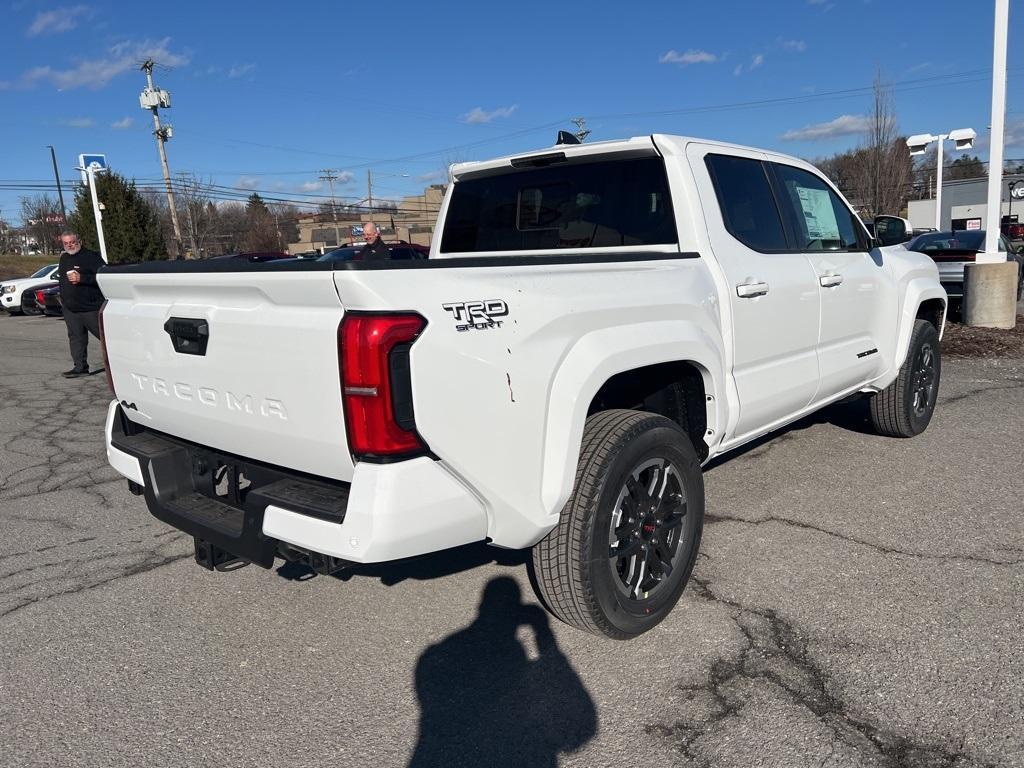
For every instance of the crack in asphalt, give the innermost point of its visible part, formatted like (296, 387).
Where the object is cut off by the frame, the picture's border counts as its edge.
(775, 654)
(92, 558)
(150, 564)
(1018, 384)
(708, 519)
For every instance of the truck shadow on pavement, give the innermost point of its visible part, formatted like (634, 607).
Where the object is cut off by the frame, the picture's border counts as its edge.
(486, 698)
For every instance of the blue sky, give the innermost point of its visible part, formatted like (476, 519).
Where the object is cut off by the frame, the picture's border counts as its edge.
(267, 94)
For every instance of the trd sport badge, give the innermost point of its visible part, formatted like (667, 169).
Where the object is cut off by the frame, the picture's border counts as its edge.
(477, 315)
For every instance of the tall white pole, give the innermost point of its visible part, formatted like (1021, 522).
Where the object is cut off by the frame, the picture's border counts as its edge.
(994, 209)
(938, 182)
(96, 211)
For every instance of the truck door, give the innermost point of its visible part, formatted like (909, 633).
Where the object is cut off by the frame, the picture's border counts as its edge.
(858, 299)
(773, 292)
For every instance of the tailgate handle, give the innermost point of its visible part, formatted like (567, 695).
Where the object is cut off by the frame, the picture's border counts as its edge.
(189, 335)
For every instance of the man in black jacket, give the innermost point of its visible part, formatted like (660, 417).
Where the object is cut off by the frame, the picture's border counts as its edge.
(81, 298)
(375, 249)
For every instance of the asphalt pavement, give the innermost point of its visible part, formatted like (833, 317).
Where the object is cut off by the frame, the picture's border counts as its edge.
(858, 602)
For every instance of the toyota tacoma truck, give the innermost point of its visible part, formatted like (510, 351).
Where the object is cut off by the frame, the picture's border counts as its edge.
(594, 322)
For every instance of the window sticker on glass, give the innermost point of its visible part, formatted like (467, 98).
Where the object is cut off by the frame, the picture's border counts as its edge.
(818, 214)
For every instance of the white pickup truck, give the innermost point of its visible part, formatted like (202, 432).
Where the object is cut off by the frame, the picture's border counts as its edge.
(594, 322)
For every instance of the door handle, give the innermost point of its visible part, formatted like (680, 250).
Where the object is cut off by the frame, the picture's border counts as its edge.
(830, 281)
(751, 290)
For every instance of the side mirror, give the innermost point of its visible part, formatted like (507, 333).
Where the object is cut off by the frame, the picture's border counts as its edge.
(892, 230)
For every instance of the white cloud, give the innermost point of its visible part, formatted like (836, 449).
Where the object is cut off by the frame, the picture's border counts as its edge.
(240, 69)
(56, 21)
(310, 186)
(844, 125)
(123, 124)
(247, 182)
(477, 115)
(798, 46)
(78, 122)
(432, 176)
(346, 177)
(755, 62)
(96, 73)
(692, 56)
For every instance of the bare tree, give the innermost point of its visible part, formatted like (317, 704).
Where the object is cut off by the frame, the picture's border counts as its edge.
(286, 223)
(883, 178)
(198, 213)
(43, 220)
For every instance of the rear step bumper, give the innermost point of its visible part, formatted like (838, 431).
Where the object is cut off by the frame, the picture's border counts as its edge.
(219, 498)
(257, 511)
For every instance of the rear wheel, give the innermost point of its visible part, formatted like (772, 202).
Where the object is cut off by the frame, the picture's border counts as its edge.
(627, 540)
(905, 407)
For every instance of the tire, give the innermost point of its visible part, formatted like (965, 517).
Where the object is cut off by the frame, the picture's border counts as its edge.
(639, 491)
(905, 407)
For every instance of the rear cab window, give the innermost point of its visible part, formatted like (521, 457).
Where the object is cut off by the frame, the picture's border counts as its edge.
(582, 203)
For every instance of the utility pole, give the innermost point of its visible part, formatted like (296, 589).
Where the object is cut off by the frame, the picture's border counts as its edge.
(369, 189)
(330, 175)
(581, 128)
(153, 99)
(56, 175)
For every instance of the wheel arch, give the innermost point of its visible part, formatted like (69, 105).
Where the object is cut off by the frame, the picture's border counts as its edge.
(924, 299)
(625, 366)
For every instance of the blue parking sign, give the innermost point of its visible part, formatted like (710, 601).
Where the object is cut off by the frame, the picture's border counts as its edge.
(96, 162)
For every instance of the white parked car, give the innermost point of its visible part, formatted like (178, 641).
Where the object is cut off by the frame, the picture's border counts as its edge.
(10, 290)
(593, 324)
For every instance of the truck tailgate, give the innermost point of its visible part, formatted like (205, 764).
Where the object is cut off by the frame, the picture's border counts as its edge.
(266, 386)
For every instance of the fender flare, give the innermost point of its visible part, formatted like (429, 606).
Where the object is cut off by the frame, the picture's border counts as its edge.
(918, 291)
(594, 359)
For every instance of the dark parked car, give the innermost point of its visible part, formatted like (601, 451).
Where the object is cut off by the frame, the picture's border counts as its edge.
(1013, 230)
(48, 300)
(952, 250)
(28, 298)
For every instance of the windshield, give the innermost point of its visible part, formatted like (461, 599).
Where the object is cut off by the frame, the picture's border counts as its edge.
(44, 271)
(341, 254)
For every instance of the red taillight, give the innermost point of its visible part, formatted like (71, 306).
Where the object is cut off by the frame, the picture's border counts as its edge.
(106, 357)
(40, 298)
(366, 343)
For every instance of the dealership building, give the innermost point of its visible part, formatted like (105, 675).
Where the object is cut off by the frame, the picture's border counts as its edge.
(965, 202)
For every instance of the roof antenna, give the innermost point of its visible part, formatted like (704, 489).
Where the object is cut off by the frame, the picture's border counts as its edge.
(567, 137)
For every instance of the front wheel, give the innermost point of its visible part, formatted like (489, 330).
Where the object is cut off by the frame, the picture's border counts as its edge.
(905, 407)
(627, 540)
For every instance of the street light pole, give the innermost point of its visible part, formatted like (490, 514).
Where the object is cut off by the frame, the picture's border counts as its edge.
(938, 184)
(918, 145)
(56, 175)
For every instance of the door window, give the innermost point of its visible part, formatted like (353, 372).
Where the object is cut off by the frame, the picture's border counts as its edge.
(818, 218)
(747, 202)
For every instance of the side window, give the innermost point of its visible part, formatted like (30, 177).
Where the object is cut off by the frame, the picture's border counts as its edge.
(819, 219)
(747, 202)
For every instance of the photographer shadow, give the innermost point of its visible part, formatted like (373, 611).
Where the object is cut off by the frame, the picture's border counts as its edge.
(486, 700)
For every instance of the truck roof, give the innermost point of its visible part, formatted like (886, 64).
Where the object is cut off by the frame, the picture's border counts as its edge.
(640, 144)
